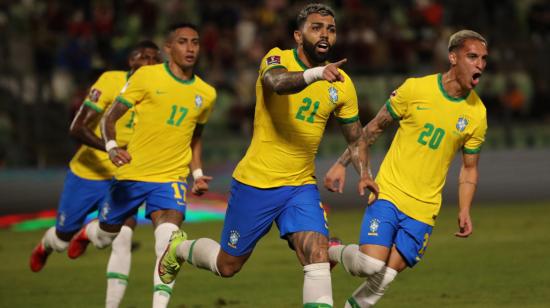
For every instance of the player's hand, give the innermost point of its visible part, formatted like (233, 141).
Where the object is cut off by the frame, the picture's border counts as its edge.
(368, 182)
(465, 227)
(335, 178)
(331, 72)
(119, 156)
(200, 185)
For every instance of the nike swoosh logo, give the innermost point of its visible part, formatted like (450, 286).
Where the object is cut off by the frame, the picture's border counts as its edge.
(161, 92)
(422, 108)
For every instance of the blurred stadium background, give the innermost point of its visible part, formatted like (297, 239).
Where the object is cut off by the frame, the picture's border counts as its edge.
(52, 51)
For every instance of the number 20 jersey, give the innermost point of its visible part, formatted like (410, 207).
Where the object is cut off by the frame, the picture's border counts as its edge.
(168, 109)
(433, 126)
(289, 128)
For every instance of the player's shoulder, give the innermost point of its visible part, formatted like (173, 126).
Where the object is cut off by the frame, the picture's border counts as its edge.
(205, 87)
(476, 101)
(113, 75)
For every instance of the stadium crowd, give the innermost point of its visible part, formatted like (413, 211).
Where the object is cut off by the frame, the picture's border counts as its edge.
(53, 50)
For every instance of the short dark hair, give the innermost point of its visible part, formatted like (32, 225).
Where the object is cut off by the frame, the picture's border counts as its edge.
(313, 8)
(457, 39)
(145, 44)
(180, 25)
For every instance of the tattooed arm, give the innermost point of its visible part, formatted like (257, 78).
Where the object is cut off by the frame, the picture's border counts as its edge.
(358, 152)
(335, 177)
(282, 82)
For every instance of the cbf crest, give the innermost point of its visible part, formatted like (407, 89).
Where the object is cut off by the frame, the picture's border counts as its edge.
(373, 227)
(198, 101)
(461, 124)
(333, 94)
(233, 238)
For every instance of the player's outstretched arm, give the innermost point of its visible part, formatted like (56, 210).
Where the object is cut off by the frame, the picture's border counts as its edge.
(118, 155)
(467, 183)
(200, 181)
(282, 82)
(335, 177)
(358, 149)
(80, 128)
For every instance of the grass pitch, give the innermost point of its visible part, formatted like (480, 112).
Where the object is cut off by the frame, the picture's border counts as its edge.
(505, 263)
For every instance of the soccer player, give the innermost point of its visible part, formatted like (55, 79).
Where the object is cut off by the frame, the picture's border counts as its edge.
(296, 92)
(172, 105)
(438, 115)
(89, 176)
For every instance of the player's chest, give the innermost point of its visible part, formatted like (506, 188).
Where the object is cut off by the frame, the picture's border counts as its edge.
(436, 124)
(314, 104)
(172, 106)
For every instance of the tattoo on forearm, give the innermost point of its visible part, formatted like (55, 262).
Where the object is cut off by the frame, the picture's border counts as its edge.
(357, 147)
(284, 82)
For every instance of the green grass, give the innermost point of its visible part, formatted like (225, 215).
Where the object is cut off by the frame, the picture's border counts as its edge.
(505, 263)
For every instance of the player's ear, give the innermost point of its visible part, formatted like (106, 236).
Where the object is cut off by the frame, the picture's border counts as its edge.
(452, 58)
(298, 37)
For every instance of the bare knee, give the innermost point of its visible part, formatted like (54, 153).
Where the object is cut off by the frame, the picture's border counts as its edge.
(229, 270)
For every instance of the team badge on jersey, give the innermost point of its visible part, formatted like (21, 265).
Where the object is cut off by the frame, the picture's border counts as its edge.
(198, 101)
(233, 238)
(333, 94)
(373, 227)
(461, 124)
(105, 209)
(273, 60)
(94, 95)
(62, 218)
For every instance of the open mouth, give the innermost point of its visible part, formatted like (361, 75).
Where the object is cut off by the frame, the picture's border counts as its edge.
(475, 78)
(322, 46)
(190, 58)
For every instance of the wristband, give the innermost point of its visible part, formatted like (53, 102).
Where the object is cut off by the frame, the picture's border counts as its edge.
(109, 145)
(197, 173)
(313, 74)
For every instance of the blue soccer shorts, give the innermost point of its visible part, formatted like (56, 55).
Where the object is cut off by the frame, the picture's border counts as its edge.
(127, 196)
(384, 224)
(79, 198)
(251, 211)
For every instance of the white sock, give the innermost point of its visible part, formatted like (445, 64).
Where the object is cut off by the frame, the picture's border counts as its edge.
(99, 237)
(202, 253)
(372, 289)
(317, 284)
(162, 291)
(354, 261)
(52, 242)
(118, 267)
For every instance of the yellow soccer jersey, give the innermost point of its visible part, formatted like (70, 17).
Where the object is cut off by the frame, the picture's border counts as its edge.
(168, 110)
(88, 162)
(433, 126)
(289, 128)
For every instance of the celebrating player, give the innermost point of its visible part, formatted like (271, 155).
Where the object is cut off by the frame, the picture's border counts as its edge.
(438, 115)
(89, 178)
(296, 92)
(172, 105)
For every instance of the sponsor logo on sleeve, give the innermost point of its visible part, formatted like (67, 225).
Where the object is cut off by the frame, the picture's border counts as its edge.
(94, 95)
(273, 60)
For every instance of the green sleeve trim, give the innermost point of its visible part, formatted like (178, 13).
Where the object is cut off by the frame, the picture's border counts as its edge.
(471, 151)
(162, 288)
(92, 106)
(113, 275)
(348, 120)
(392, 112)
(317, 305)
(123, 101)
